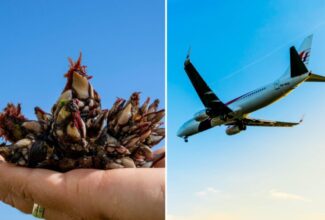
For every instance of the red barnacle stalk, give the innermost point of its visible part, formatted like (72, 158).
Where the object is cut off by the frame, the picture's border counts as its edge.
(11, 120)
(78, 123)
(75, 67)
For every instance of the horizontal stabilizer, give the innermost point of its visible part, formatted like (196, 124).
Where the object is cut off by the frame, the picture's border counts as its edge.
(297, 66)
(315, 78)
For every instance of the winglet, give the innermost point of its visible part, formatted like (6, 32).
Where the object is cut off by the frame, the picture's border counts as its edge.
(187, 60)
(302, 119)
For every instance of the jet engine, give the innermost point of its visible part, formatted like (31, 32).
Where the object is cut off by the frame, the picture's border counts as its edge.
(200, 116)
(233, 129)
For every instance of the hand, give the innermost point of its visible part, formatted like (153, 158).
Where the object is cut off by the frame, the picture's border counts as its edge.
(86, 193)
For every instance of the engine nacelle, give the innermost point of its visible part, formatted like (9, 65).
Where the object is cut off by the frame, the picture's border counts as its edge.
(233, 129)
(200, 116)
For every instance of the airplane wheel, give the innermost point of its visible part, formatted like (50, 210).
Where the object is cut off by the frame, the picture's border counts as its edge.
(242, 126)
(185, 139)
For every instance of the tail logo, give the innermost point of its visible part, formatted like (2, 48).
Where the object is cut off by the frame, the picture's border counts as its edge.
(304, 55)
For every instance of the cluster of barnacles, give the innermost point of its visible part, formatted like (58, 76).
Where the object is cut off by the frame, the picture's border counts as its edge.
(79, 134)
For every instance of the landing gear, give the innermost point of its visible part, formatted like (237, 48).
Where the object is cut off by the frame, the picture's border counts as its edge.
(241, 125)
(224, 117)
(186, 139)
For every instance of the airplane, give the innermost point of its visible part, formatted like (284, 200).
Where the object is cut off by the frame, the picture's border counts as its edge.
(235, 113)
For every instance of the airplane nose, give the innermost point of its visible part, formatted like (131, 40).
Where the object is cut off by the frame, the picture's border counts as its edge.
(180, 132)
(187, 129)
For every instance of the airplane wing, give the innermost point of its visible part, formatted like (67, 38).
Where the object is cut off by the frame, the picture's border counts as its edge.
(207, 96)
(267, 123)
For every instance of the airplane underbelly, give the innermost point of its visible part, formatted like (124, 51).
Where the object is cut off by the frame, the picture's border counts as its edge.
(209, 123)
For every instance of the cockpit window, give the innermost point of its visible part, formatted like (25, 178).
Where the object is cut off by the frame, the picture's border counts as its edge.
(186, 124)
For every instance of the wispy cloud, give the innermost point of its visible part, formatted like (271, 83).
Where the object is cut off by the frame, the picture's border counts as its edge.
(207, 191)
(276, 194)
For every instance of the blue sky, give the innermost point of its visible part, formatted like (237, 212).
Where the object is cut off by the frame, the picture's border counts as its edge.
(262, 173)
(122, 44)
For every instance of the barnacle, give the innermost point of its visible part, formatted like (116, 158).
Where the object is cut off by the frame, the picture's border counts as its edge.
(78, 133)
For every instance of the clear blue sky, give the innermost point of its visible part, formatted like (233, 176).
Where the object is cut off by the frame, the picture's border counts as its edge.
(262, 173)
(122, 44)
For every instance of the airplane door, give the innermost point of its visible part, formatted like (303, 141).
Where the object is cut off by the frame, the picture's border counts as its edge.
(277, 85)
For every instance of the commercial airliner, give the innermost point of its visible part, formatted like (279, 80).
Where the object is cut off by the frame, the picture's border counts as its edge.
(235, 113)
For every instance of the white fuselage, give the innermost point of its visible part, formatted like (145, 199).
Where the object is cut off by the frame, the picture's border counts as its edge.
(247, 103)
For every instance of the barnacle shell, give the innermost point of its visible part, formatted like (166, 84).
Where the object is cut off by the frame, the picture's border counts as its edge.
(78, 133)
(73, 132)
(32, 126)
(80, 85)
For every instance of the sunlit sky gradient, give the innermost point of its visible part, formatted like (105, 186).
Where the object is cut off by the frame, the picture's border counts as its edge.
(262, 173)
(122, 44)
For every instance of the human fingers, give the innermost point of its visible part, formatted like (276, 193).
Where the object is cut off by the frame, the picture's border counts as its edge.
(51, 214)
(38, 185)
(159, 158)
(26, 206)
(23, 205)
(68, 193)
(160, 163)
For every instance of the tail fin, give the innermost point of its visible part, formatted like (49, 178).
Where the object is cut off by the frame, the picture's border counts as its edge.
(297, 66)
(304, 53)
(305, 49)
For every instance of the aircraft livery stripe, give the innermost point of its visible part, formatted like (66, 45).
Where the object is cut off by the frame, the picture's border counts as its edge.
(234, 100)
(247, 94)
